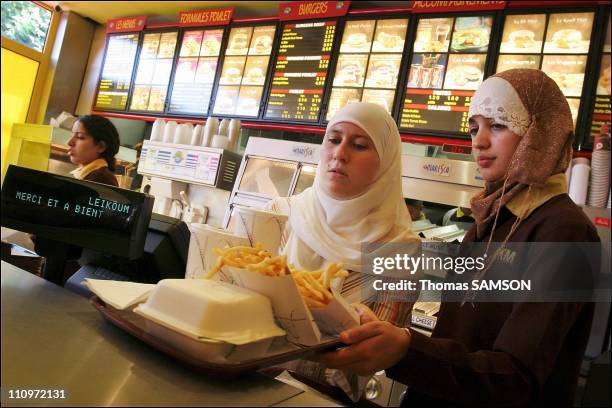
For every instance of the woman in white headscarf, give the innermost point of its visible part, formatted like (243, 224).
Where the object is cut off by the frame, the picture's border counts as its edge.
(356, 199)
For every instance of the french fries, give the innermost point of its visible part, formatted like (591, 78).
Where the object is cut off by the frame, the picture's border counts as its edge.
(313, 286)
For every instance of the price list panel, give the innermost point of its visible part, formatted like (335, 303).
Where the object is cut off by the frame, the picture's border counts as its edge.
(438, 110)
(116, 75)
(447, 67)
(300, 71)
(153, 73)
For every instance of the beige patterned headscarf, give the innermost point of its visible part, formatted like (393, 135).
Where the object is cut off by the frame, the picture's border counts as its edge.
(531, 104)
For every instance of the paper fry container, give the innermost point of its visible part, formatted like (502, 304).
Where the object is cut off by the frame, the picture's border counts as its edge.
(260, 226)
(288, 307)
(204, 239)
(336, 317)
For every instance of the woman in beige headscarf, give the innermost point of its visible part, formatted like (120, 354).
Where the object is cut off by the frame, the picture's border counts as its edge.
(511, 354)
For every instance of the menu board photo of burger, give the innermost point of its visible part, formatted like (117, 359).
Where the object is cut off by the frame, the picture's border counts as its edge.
(341, 97)
(261, 41)
(523, 34)
(249, 100)
(238, 43)
(357, 36)
(226, 99)
(232, 71)
(255, 70)
(569, 33)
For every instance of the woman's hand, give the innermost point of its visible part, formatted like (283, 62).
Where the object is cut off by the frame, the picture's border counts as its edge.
(373, 346)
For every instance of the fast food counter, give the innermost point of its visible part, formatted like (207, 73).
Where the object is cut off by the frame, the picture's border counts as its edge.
(53, 339)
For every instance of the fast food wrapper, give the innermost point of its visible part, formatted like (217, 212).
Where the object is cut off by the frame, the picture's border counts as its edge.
(336, 317)
(289, 309)
(259, 226)
(201, 257)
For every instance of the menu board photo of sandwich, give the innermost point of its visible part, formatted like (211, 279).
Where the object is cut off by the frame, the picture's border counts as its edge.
(383, 70)
(511, 61)
(433, 35)
(471, 34)
(150, 44)
(211, 43)
(465, 71)
(351, 70)
(226, 99)
(249, 100)
(357, 36)
(232, 70)
(167, 45)
(192, 41)
(380, 97)
(569, 33)
(390, 35)
(603, 82)
(567, 71)
(523, 34)
(238, 43)
(427, 71)
(261, 41)
(255, 70)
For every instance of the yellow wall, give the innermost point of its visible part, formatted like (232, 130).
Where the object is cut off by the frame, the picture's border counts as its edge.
(18, 77)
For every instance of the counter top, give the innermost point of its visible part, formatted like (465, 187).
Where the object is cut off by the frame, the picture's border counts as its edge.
(54, 339)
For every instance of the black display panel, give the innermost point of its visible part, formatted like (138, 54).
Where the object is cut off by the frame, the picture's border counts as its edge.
(91, 215)
(437, 110)
(301, 71)
(116, 77)
(600, 114)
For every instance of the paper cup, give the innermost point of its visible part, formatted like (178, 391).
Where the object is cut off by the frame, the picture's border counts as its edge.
(259, 226)
(204, 239)
(219, 142)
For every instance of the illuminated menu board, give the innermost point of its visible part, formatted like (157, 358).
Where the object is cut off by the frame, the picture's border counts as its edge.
(153, 72)
(244, 71)
(116, 75)
(601, 107)
(557, 44)
(195, 71)
(300, 71)
(447, 66)
(369, 63)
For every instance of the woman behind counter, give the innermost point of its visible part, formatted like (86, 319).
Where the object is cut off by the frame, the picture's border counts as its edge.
(93, 146)
(500, 354)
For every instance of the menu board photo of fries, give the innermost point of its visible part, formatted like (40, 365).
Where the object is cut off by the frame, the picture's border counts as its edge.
(296, 295)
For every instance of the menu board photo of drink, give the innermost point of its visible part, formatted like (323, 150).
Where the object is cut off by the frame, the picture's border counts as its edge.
(195, 71)
(602, 106)
(557, 44)
(369, 63)
(116, 76)
(447, 66)
(153, 72)
(244, 71)
(300, 71)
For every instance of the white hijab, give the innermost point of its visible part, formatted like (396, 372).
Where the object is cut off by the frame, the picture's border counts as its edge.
(322, 226)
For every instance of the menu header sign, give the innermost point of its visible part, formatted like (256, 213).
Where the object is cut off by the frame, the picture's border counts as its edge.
(448, 6)
(302, 10)
(202, 18)
(124, 25)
